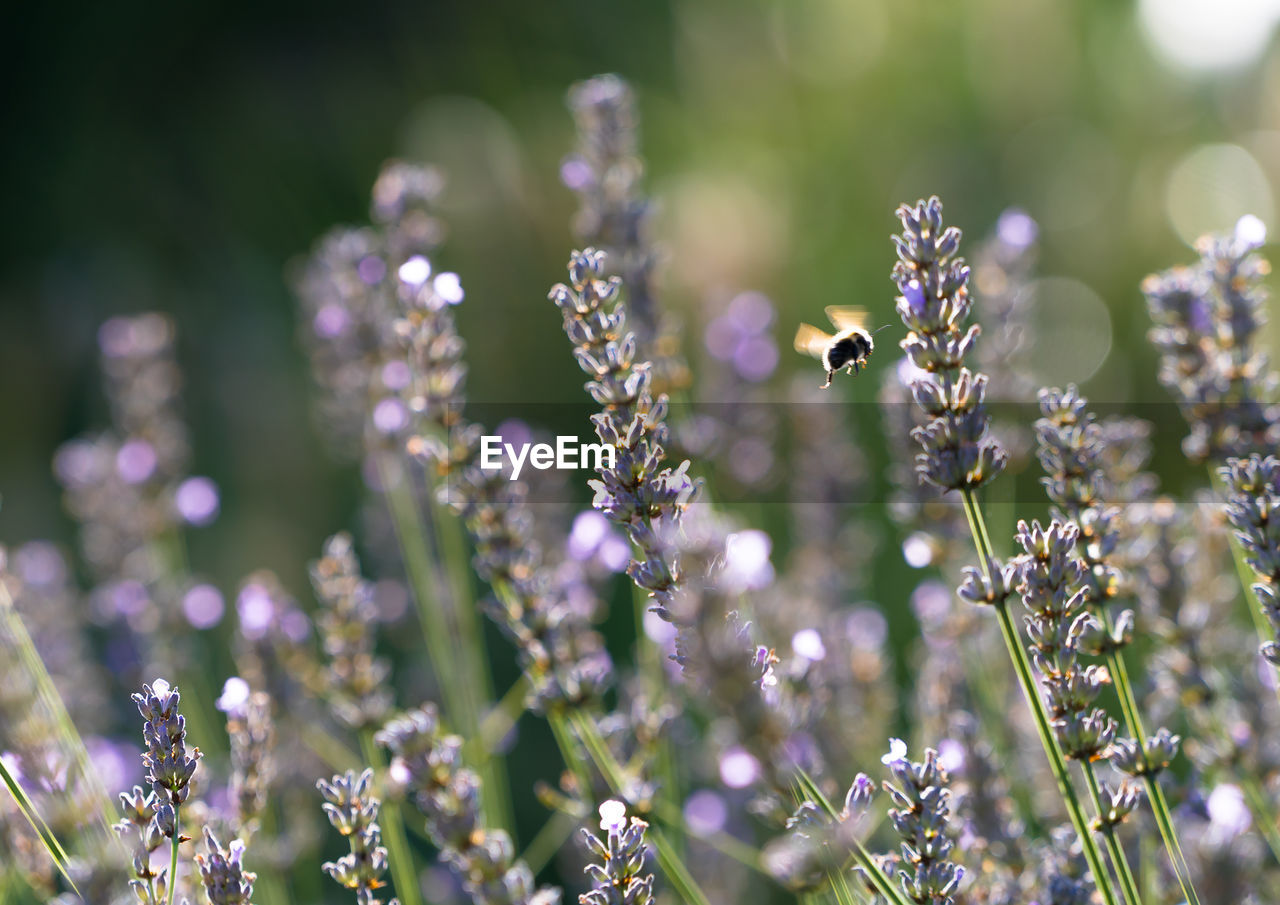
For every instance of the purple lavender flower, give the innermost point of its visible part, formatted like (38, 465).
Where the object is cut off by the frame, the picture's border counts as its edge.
(957, 451)
(225, 880)
(637, 492)
(563, 656)
(352, 808)
(920, 818)
(252, 735)
(1205, 322)
(1051, 582)
(1253, 496)
(606, 172)
(348, 294)
(168, 764)
(141, 829)
(1071, 453)
(428, 763)
(618, 879)
(355, 679)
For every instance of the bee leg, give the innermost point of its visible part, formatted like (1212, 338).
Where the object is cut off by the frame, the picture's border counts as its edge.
(830, 374)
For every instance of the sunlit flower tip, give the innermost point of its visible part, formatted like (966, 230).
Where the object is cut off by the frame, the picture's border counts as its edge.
(136, 461)
(160, 687)
(918, 550)
(415, 271)
(1251, 231)
(897, 752)
(747, 565)
(1017, 228)
(449, 288)
(613, 815)
(807, 643)
(1227, 810)
(738, 768)
(858, 797)
(765, 659)
(196, 500)
(913, 292)
(235, 694)
(951, 755)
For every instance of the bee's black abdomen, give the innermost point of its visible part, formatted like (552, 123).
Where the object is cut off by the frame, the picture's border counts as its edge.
(845, 349)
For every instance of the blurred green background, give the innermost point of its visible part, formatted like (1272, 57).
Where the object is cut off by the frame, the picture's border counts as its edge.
(182, 157)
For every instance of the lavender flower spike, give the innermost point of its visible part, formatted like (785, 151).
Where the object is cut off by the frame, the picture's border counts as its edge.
(448, 795)
(352, 808)
(169, 766)
(606, 172)
(140, 830)
(1205, 320)
(1054, 593)
(225, 882)
(354, 677)
(637, 491)
(920, 819)
(618, 879)
(957, 451)
(1253, 496)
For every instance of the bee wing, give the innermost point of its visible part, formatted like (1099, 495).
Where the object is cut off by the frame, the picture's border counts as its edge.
(810, 340)
(847, 317)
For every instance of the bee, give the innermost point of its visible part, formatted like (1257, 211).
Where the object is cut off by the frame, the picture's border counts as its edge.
(848, 349)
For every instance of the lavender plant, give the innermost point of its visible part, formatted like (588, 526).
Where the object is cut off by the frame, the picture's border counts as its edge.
(1205, 319)
(618, 879)
(448, 794)
(763, 679)
(957, 452)
(224, 878)
(352, 809)
(1071, 453)
(1253, 492)
(169, 770)
(606, 172)
(251, 730)
(920, 820)
(355, 678)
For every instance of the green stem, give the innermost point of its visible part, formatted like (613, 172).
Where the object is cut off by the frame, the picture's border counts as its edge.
(879, 879)
(474, 658)
(569, 752)
(840, 886)
(599, 751)
(674, 868)
(1114, 849)
(650, 657)
(48, 692)
(463, 680)
(47, 837)
(424, 582)
(1155, 794)
(503, 716)
(173, 854)
(1164, 820)
(401, 858)
(548, 840)
(672, 864)
(1022, 666)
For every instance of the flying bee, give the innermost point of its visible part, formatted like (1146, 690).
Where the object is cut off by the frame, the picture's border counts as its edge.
(848, 349)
